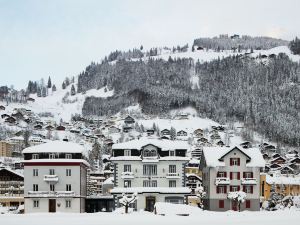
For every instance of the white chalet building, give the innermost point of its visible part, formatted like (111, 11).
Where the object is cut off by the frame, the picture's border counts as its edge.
(55, 178)
(154, 169)
(225, 170)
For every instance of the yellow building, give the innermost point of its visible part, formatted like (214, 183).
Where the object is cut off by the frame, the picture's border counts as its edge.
(5, 149)
(283, 184)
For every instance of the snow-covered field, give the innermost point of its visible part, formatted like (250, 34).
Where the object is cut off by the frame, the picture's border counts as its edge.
(144, 218)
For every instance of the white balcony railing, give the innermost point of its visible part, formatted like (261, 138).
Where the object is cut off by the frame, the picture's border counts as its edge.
(248, 181)
(127, 175)
(51, 193)
(173, 175)
(51, 178)
(222, 181)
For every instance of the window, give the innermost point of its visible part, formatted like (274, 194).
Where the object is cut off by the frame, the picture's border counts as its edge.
(174, 200)
(127, 168)
(127, 183)
(35, 187)
(52, 187)
(51, 172)
(68, 156)
(68, 203)
(150, 183)
(248, 189)
(68, 187)
(248, 174)
(172, 183)
(234, 188)
(35, 172)
(127, 153)
(35, 156)
(221, 174)
(221, 189)
(68, 172)
(36, 203)
(234, 175)
(248, 204)
(172, 168)
(172, 153)
(235, 161)
(221, 204)
(150, 153)
(149, 170)
(51, 156)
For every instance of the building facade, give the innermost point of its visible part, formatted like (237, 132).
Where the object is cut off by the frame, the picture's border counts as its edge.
(227, 170)
(55, 176)
(5, 149)
(152, 168)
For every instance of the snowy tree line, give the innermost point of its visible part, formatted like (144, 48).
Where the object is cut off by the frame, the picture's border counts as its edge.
(224, 42)
(295, 46)
(265, 96)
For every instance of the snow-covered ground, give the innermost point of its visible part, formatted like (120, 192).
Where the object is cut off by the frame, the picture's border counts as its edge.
(144, 218)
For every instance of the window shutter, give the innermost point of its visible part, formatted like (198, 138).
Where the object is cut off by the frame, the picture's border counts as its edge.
(218, 174)
(225, 174)
(239, 161)
(251, 189)
(251, 174)
(230, 175)
(230, 188)
(238, 176)
(248, 204)
(244, 188)
(217, 190)
(225, 189)
(244, 174)
(231, 162)
(239, 188)
(221, 203)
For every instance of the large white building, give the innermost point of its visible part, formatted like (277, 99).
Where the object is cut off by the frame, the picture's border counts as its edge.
(152, 168)
(55, 178)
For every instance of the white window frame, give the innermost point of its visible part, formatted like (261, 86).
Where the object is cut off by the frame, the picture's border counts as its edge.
(51, 171)
(68, 204)
(235, 161)
(35, 187)
(172, 168)
(149, 169)
(172, 183)
(127, 152)
(127, 183)
(52, 187)
(35, 172)
(248, 189)
(149, 183)
(248, 175)
(234, 188)
(52, 156)
(36, 203)
(127, 168)
(68, 156)
(68, 187)
(68, 172)
(221, 189)
(171, 153)
(35, 156)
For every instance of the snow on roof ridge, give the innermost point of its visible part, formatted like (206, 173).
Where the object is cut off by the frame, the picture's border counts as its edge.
(55, 146)
(163, 144)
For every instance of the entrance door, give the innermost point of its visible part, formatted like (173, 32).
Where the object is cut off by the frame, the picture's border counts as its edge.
(52, 205)
(150, 202)
(234, 205)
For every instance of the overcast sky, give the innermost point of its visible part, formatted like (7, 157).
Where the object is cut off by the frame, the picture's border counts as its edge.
(60, 38)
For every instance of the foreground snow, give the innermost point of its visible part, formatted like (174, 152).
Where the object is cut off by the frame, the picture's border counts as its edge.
(203, 217)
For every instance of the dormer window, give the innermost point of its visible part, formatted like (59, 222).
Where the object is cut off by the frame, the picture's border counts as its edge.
(150, 153)
(172, 153)
(68, 156)
(51, 156)
(127, 153)
(35, 156)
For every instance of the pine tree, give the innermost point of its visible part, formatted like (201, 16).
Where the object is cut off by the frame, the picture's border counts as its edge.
(173, 133)
(73, 91)
(63, 85)
(49, 83)
(53, 88)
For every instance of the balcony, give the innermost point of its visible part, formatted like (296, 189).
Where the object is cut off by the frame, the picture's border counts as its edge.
(248, 181)
(51, 178)
(51, 194)
(172, 176)
(222, 181)
(127, 175)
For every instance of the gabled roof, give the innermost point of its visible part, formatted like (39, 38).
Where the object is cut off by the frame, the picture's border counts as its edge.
(55, 146)
(213, 156)
(12, 171)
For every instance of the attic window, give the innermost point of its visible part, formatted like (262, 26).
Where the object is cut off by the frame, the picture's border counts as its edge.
(35, 156)
(150, 153)
(127, 153)
(172, 153)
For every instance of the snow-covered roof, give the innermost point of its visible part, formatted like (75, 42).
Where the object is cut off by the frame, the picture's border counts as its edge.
(167, 190)
(213, 154)
(57, 161)
(55, 146)
(109, 180)
(283, 179)
(138, 158)
(165, 145)
(12, 171)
